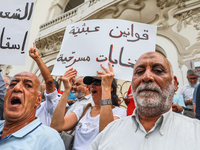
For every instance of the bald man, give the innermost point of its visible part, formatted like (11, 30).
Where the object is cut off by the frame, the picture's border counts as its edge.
(21, 129)
(153, 125)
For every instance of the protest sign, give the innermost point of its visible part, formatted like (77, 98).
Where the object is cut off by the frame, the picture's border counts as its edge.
(88, 44)
(15, 18)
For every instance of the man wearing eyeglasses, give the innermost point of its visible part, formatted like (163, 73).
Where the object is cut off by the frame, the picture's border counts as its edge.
(187, 92)
(82, 94)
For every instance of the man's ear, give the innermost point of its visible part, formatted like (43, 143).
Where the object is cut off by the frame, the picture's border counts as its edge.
(175, 82)
(88, 87)
(39, 100)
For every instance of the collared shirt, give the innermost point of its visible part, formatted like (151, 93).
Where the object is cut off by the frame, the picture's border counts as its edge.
(187, 92)
(172, 131)
(34, 136)
(46, 109)
(85, 100)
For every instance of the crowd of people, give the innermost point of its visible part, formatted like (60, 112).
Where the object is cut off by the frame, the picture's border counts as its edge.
(35, 115)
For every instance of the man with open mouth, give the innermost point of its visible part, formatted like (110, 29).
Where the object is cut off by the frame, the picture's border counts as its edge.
(21, 129)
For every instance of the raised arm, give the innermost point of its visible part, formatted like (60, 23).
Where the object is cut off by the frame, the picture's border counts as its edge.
(61, 122)
(34, 54)
(106, 114)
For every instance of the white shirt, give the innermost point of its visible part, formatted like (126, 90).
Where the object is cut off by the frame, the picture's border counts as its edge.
(83, 101)
(187, 92)
(46, 109)
(88, 127)
(172, 131)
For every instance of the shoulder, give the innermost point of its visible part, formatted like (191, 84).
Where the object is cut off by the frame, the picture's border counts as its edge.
(119, 112)
(118, 124)
(185, 87)
(117, 128)
(186, 122)
(48, 132)
(49, 136)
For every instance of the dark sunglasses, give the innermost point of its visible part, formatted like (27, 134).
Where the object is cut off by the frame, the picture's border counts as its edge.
(96, 82)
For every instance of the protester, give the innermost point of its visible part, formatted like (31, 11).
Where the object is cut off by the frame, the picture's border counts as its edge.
(82, 94)
(178, 103)
(21, 129)
(46, 109)
(153, 125)
(97, 117)
(187, 92)
(129, 101)
(2, 93)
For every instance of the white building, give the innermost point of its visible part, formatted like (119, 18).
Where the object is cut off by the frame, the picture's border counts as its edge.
(178, 34)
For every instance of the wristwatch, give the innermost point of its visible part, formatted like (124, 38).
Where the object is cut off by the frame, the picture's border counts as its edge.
(105, 102)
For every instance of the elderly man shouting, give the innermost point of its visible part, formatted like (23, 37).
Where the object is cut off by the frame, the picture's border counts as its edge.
(153, 125)
(21, 130)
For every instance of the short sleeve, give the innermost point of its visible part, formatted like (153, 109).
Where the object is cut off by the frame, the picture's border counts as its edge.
(119, 112)
(78, 111)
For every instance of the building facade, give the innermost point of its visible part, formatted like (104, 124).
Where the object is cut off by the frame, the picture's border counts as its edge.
(177, 21)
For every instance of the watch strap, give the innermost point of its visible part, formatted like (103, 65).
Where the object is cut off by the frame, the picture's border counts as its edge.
(105, 102)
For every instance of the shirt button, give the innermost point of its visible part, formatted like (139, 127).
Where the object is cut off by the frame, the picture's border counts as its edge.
(161, 132)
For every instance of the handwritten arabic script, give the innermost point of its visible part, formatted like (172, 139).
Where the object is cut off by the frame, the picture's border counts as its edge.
(15, 17)
(88, 44)
(27, 13)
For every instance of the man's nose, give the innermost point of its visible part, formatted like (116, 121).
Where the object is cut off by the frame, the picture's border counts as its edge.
(18, 87)
(148, 76)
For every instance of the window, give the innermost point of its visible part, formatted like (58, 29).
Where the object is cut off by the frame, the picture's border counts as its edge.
(72, 4)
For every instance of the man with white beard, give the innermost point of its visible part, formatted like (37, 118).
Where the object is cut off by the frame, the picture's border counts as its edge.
(82, 94)
(187, 92)
(153, 125)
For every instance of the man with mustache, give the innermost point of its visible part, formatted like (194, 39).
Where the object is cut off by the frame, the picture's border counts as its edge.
(187, 92)
(82, 93)
(21, 129)
(153, 125)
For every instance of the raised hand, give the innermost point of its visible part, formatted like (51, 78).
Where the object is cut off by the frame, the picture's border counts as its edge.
(33, 52)
(67, 78)
(107, 76)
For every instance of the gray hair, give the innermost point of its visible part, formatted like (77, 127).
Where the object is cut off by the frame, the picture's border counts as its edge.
(171, 69)
(192, 72)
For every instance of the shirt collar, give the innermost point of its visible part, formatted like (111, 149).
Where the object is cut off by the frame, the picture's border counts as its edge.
(163, 121)
(85, 97)
(27, 129)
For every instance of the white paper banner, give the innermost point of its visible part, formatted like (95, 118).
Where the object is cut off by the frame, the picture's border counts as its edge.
(15, 18)
(88, 44)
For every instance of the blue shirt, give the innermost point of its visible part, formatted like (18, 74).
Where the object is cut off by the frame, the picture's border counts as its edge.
(71, 96)
(34, 136)
(178, 99)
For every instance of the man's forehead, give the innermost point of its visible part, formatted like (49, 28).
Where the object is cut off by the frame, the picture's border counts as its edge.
(27, 76)
(153, 58)
(79, 80)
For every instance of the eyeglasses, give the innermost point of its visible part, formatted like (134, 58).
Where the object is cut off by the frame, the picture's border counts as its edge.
(195, 78)
(97, 82)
